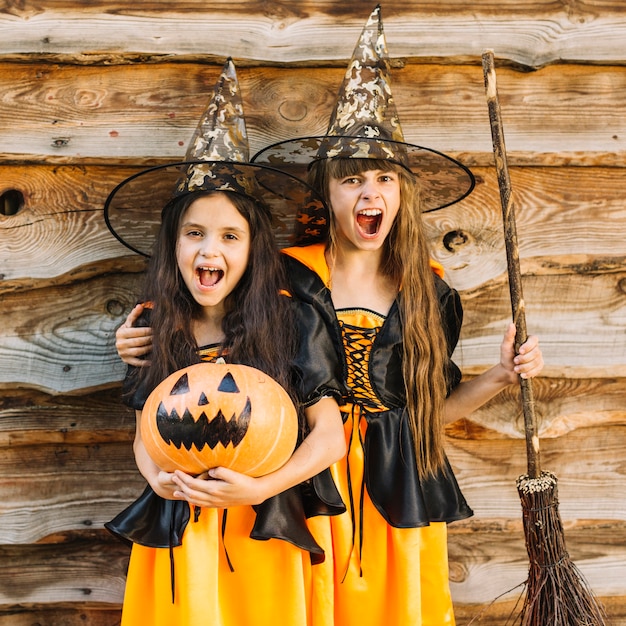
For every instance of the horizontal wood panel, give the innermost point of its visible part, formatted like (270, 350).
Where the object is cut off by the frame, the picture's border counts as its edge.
(488, 565)
(89, 569)
(62, 339)
(292, 32)
(561, 406)
(588, 463)
(557, 308)
(49, 489)
(60, 614)
(570, 219)
(29, 417)
(67, 344)
(565, 114)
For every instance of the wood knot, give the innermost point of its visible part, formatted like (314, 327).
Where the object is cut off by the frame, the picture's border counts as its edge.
(454, 240)
(11, 202)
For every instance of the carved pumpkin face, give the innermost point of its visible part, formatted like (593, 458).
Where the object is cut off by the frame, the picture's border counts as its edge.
(215, 414)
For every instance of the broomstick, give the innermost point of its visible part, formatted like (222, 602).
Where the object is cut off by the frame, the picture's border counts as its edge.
(556, 593)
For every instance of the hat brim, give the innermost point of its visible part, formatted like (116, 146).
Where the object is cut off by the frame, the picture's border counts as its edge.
(442, 180)
(132, 211)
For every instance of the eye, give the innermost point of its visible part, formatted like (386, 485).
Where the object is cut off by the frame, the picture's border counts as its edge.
(191, 232)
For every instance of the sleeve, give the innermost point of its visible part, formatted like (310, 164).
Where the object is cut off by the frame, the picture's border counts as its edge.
(134, 393)
(451, 319)
(316, 363)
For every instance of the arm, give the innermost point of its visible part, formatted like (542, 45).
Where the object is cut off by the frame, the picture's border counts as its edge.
(472, 394)
(160, 481)
(324, 445)
(133, 342)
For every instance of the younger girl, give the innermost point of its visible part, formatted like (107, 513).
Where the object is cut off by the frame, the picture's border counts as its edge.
(223, 548)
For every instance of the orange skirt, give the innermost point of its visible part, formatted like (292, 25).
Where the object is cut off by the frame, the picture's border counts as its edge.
(270, 584)
(398, 576)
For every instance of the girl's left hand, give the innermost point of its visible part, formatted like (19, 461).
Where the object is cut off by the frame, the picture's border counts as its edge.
(219, 487)
(527, 363)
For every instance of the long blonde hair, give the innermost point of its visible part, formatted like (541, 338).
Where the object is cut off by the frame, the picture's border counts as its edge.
(406, 261)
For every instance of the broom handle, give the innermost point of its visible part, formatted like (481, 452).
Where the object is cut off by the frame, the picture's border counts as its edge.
(512, 257)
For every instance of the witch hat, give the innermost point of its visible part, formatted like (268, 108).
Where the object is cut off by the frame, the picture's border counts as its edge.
(365, 125)
(217, 159)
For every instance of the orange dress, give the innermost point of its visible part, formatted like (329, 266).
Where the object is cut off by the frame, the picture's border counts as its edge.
(386, 556)
(214, 572)
(375, 574)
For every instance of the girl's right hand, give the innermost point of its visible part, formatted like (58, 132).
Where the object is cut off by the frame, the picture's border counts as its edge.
(133, 343)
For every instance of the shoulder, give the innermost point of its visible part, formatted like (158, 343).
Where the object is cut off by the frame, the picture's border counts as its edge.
(306, 269)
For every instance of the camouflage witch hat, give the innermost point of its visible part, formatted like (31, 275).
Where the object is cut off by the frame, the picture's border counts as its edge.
(217, 159)
(365, 125)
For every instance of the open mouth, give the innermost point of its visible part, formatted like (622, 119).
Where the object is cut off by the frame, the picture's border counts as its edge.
(209, 276)
(369, 220)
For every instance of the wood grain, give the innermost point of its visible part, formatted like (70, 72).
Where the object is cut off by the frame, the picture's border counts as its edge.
(567, 114)
(62, 339)
(293, 32)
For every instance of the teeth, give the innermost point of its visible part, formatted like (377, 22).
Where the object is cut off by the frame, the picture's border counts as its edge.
(370, 212)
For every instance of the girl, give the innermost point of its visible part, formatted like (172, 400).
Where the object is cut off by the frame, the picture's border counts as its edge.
(222, 548)
(394, 324)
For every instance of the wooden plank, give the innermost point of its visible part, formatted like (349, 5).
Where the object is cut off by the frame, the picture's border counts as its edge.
(558, 308)
(570, 220)
(293, 33)
(29, 417)
(49, 489)
(484, 563)
(571, 114)
(89, 568)
(58, 614)
(562, 405)
(59, 234)
(490, 563)
(587, 462)
(62, 339)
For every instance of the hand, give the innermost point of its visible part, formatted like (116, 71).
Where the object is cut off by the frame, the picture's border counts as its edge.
(219, 487)
(529, 360)
(132, 342)
(165, 485)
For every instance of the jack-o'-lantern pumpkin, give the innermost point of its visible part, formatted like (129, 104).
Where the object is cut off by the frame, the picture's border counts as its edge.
(217, 414)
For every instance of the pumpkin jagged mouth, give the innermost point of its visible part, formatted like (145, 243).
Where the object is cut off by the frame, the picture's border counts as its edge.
(209, 276)
(199, 432)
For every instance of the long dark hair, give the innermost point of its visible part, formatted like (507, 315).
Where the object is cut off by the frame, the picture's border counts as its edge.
(406, 262)
(257, 326)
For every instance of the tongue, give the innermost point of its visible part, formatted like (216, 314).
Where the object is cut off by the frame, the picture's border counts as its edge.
(208, 279)
(368, 223)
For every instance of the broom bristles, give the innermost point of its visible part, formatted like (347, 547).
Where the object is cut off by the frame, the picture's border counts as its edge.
(556, 592)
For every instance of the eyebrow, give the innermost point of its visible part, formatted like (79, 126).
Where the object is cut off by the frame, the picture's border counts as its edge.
(236, 229)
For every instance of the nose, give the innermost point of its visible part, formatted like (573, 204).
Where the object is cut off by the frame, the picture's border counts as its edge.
(209, 248)
(370, 189)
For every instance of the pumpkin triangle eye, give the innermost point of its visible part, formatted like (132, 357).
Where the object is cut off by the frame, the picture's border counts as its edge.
(180, 386)
(203, 399)
(228, 384)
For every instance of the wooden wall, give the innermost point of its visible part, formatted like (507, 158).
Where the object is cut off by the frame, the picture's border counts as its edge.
(91, 92)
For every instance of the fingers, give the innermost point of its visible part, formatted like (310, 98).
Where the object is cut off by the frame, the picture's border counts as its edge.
(131, 342)
(133, 316)
(529, 362)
